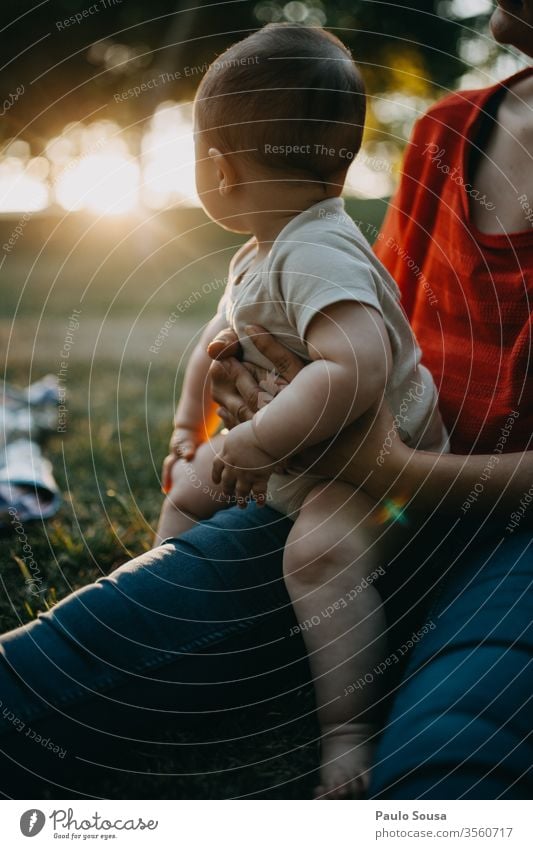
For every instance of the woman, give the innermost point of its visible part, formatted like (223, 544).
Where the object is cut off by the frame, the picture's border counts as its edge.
(203, 623)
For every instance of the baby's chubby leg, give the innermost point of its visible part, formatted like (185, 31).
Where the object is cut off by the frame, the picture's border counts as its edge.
(331, 559)
(193, 495)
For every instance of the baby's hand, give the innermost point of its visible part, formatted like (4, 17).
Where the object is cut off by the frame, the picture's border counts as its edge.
(183, 444)
(243, 467)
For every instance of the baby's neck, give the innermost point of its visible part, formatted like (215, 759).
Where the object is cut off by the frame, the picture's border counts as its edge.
(274, 203)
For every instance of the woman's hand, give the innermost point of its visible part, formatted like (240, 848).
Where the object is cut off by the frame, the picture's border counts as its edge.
(368, 453)
(237, 387)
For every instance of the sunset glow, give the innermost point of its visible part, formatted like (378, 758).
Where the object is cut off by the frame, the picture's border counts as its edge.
(103, 183)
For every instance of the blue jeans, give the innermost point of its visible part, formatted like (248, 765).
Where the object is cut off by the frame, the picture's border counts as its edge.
(461, 723)
(201, 627)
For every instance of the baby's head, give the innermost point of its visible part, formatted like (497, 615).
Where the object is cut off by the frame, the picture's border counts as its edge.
(286, 104)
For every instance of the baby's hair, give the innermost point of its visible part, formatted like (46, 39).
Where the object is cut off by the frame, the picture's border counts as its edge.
(288, 96)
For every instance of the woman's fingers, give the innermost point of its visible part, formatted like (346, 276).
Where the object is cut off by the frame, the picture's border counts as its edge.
(235, 385)
(225, 344)
(284, 361)
(248, 390)
(234, 389)
(227, 419)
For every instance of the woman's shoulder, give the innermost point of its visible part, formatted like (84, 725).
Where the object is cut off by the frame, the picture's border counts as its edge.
(453, 110)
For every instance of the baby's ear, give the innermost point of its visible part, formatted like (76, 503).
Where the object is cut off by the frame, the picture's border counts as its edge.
(226, 175)
(214, 153)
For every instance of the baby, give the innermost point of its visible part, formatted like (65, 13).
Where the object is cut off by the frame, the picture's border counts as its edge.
(278, 120)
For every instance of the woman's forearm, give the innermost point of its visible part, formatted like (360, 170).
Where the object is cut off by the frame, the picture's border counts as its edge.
(473, 484)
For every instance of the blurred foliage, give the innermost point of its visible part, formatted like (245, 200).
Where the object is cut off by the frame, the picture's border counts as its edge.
(70, 71)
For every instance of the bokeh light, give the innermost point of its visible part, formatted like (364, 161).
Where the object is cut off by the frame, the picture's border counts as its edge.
(104, 183)
(23, 186)
(168, 158)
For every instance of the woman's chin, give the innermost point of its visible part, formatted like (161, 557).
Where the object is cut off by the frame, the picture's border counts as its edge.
(508, 28)
(501, 25)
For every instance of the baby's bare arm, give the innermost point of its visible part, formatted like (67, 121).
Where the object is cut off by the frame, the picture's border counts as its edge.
(195, 418)
(350, 351)
(195, 402)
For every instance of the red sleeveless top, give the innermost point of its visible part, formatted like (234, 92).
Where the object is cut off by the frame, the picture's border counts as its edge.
(467, 294)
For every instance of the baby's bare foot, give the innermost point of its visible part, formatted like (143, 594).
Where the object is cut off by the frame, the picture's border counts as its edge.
(346, 757)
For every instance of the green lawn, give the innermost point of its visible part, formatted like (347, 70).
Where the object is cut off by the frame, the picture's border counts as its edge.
(120, 399)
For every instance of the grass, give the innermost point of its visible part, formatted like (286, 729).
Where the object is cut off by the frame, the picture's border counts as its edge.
(120, 400)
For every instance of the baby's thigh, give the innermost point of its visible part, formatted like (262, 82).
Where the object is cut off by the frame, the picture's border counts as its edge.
(341, 527)
(193, 490)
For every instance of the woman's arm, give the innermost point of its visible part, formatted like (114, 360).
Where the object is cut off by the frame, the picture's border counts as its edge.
(458, 484)
(448, 482)
(476, 484)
